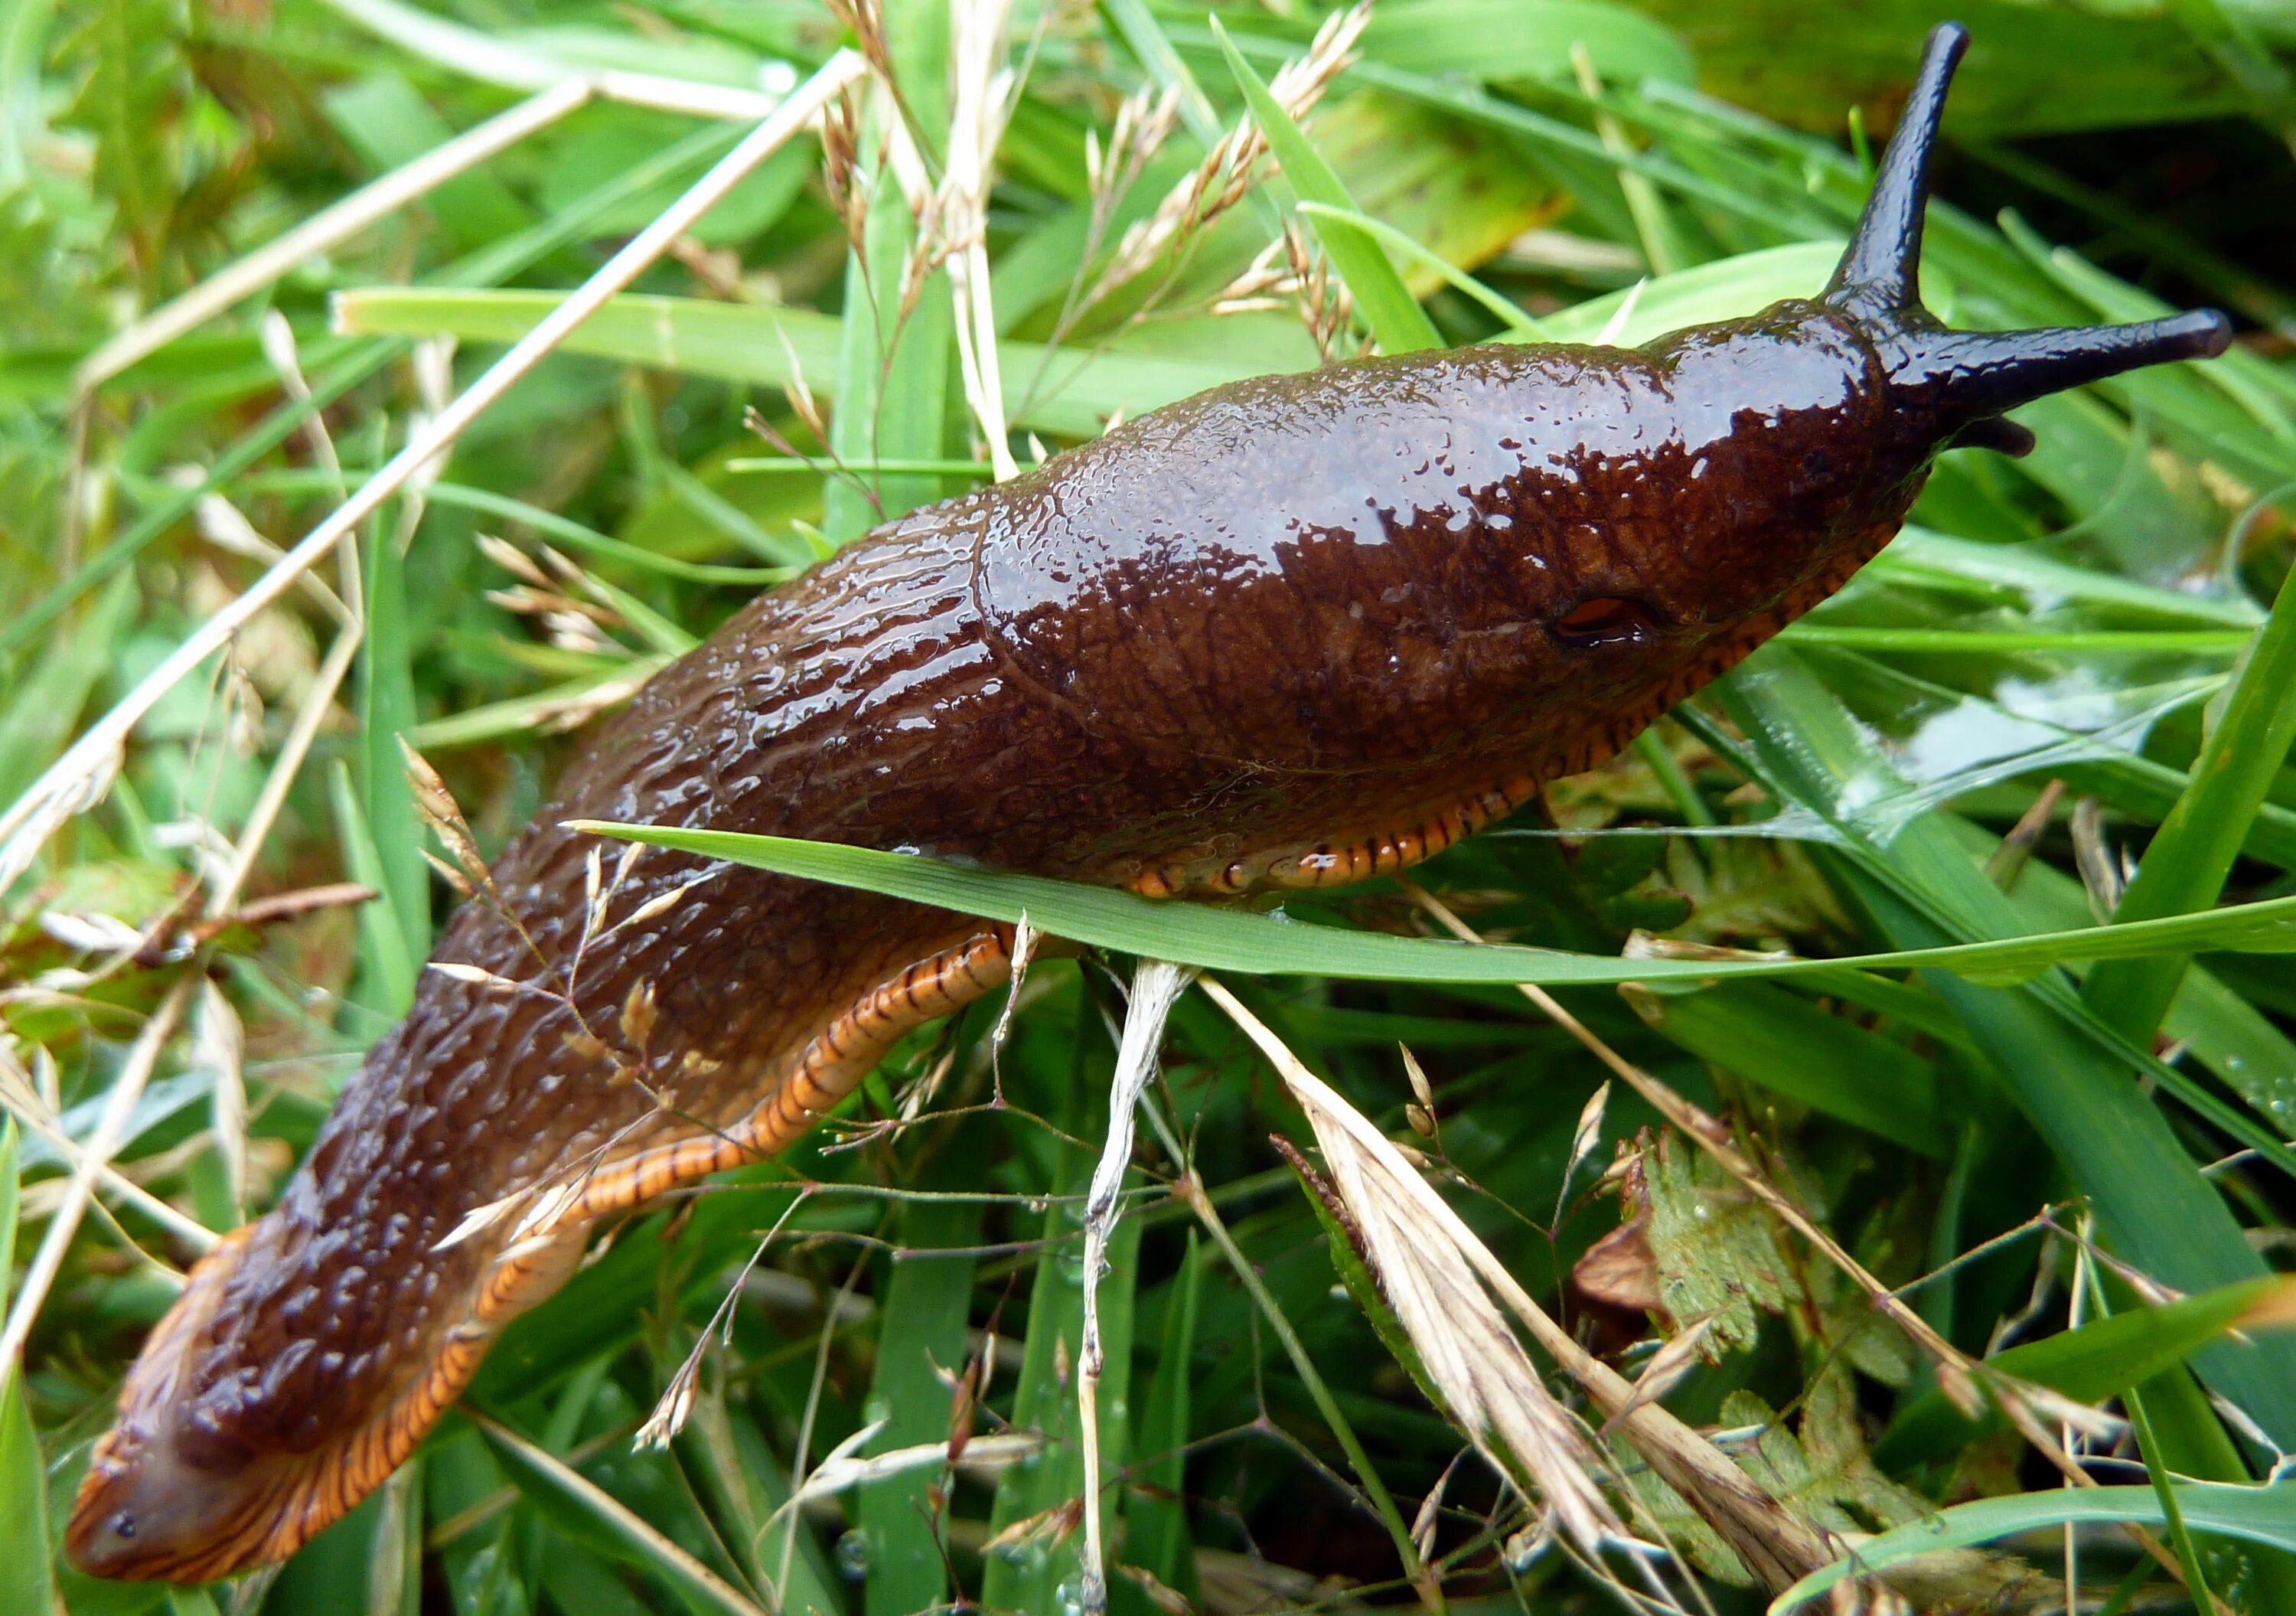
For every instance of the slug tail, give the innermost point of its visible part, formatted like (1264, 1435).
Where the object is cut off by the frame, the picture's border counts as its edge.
(1881, 272)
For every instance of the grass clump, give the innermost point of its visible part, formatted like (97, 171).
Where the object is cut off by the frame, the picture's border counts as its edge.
(1420, 1286)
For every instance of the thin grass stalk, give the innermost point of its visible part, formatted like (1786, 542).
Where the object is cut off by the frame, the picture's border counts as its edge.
(484, 57)
(70, 782)
(38, 1119)
(1775, 1544)
(331, 224)
(111, 1133)
(2025, 1406)
(2183, 868)
(1190, 1190)
(984, 89)
(1155, 986)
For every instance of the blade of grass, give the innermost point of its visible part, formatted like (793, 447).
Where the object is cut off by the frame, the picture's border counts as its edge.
(890, 376)
(1513, 318)
(1040, 1503)
(920, 1331)
(1235, 940)
(386, 708)
(1922, 886)
(1156, 1535)
(2094, 1361)
(494, 263)
(1770, 1037)
(2189, 857)
(2257, 1514)
(546, 1477)
(1388, 308)
(336, 222)
(385, 958)
(25, 1581)
(1077, 392)
(51, 801)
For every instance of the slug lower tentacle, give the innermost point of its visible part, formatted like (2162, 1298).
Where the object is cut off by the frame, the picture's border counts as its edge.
(1289, 632)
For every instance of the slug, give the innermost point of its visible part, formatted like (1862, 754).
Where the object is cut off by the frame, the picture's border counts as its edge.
(1291, 632)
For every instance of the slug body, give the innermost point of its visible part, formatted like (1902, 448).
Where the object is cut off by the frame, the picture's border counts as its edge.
(1289, 632)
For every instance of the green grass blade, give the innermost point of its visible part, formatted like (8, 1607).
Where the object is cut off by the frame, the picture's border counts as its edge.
(1921, 885)
(1388, 308)
(550, 1481)
(1040, 1502)
(386, 714)
(891, 375)
(1156, 1535)
(927, 1307)
(382, 940)
(1234, 939)
(25, 1581)
(44, 707)
(2185, 866)
(1517, 323)
(2094, 1361)
(1078, 392)
(2257, 1514)
(1770, 1037)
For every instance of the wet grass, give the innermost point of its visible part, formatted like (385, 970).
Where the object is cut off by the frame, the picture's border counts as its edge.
(2039, 1155)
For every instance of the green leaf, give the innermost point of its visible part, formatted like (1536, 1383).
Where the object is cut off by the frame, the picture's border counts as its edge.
(2258, 1514)
(382, 940)
(1500, 39)
(1069, 392)
(1388, 308)
(44, 707)
(1156, 1535)
(920, 1331)
(1769, 1037)
(2185, 865)
(386, 714)
(2097, 1360)
(26, 1582)
(551, 1483)
(1234, 939)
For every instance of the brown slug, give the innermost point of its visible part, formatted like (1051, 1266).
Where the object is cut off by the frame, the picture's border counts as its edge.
(1289, 632)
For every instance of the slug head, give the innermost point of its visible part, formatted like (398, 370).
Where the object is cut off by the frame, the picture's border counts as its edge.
(1950, 388)
(164, 1496)
(1807, 428)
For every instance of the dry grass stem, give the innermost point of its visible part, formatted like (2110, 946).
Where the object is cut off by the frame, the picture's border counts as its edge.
(984, 86)
(331, 224)
(2027, 1406)
(1776, 1546)
(79, 778)
(1468, 1351)
(1225, 174)
(34, 1107)
(219, 1043)
(111, 1133)
(1156, 986)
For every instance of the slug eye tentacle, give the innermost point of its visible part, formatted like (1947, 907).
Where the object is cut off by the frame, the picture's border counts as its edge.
(1879, 274)
(1958, 381)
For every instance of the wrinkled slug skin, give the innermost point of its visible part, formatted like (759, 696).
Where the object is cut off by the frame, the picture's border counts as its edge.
(1290, 631)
